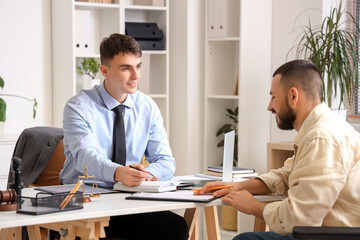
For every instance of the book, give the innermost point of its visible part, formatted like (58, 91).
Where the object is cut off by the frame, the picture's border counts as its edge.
(177, 196)
(235, 169)
(234, 175)
(148, 186)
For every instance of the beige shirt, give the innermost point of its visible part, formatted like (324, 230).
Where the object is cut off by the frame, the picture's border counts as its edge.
(321, 180)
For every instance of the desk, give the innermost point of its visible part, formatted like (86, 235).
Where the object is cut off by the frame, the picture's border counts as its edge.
(90, 221)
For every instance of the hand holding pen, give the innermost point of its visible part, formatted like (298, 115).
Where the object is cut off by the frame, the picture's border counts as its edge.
(150, 177)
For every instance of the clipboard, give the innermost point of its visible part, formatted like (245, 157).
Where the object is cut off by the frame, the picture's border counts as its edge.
(177, 196)
(66, 188)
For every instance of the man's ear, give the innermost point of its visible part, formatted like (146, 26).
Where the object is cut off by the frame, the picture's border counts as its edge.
(104, 70)
(293, 96)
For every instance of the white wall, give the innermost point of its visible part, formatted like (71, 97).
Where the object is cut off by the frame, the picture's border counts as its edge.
(25, 61)
(288, 19)
(186, 84)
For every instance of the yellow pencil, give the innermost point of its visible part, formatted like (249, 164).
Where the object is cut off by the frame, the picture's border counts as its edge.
(215, 188)
(68, 197)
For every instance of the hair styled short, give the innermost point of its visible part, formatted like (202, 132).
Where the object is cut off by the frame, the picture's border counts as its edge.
(118, 43)
(302, 74)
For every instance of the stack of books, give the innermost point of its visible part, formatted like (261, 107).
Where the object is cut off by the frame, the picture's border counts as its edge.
(237, 172)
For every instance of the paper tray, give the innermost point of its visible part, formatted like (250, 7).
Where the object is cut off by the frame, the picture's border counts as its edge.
(45, 203)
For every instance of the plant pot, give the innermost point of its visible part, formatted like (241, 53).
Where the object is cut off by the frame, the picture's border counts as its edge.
(89, 83)
(228, 218)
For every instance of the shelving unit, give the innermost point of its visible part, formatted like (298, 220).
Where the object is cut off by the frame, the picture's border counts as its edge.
(78, 29)
(222, 66)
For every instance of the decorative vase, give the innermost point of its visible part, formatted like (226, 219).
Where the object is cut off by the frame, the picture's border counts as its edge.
(228, 218)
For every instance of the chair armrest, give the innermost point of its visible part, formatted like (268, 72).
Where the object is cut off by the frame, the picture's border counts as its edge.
(326, 232)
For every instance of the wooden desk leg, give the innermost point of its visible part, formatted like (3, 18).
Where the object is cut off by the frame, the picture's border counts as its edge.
(260, 225)
(212, 223)
(10, 233)
(34, 232)
(191, 217)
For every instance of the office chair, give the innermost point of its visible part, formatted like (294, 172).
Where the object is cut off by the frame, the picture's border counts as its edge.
(338, 233)
(42, 152)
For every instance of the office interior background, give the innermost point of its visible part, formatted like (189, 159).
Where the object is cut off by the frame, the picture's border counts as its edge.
(268, 30)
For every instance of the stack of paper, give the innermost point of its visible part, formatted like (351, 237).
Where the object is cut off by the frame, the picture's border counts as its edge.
(238, 173)
(148, 186)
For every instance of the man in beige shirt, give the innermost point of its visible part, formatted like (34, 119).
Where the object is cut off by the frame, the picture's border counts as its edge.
(321, 181)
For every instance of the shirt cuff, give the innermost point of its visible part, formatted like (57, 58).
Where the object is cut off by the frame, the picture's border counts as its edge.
(109, 171)
(272, 219)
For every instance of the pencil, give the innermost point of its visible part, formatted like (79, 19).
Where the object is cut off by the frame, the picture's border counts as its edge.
(215, 188)
(68, 197)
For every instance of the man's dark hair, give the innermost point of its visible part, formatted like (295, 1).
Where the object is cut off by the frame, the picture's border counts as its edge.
(302, 74)
(118, 43)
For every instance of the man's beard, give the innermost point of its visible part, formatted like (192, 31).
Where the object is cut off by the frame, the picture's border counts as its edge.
(285, 121)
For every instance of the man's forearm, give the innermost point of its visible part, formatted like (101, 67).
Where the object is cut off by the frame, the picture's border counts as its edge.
(253, 186)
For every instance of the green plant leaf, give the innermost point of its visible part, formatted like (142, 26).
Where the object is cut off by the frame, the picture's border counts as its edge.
(221, 143)
(34, 108)
(2, 110)
(89, 66)
(332, 48)
(2, 82)
(224, 129)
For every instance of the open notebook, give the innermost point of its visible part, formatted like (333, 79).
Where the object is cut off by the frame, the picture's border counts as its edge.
(148, 186)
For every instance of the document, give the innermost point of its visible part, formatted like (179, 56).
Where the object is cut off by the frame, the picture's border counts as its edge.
(148, 186)
(178, 196)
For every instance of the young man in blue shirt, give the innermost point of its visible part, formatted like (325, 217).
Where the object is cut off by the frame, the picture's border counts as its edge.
(89, 121)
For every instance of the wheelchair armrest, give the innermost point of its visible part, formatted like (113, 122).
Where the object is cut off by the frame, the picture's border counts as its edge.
(304, 232)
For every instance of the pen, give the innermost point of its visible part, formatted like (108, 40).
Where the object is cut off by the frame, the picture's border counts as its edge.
(215, 188)
(68, 197)
(152, 177)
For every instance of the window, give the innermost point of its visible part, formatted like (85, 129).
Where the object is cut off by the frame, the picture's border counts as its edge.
(354, 108)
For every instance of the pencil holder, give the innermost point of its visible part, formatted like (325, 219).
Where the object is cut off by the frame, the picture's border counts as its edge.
(45, 203)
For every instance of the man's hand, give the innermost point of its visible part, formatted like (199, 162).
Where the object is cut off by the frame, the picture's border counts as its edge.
(244, 202)
(218, 193)
(129, 176)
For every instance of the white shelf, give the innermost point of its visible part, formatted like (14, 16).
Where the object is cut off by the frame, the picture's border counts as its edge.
(147, 8)
(77, 31)
(224, 39)
(224, 97)
(87, 56)
(94, 6)
(160, 52)
(222, 68)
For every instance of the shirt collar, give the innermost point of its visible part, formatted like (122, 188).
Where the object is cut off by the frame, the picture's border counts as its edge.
(309, 122)
(111, 102)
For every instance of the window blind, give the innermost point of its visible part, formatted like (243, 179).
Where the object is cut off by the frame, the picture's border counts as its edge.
(354, 108)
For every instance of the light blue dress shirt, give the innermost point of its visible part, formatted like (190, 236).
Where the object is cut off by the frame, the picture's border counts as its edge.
(88, 135)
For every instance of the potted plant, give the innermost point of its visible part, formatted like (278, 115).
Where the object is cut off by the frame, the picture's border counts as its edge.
(89, 67)
(3, 103)
(332, 47)
(229, 213)
(227, 127)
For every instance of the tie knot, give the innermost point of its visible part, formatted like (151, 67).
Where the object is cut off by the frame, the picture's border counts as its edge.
(119, 109)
